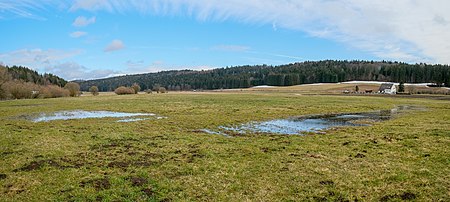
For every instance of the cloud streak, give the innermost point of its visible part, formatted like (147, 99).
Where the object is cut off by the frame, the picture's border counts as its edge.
(27, 8)
(412, 31)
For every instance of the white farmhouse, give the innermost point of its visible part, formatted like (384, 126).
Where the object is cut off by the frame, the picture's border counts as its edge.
(388, 88)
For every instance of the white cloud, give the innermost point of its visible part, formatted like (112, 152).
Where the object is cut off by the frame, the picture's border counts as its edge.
(233, 48)
(114, 46)
(82, 21)
(141, 67)
(407, 30)
(36, 57)
(77, 34)
(73, 71)
(53, 61)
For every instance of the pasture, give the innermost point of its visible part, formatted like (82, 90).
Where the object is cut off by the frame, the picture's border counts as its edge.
(404, 158)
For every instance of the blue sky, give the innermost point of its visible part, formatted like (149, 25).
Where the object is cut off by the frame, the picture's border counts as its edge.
(85, 39)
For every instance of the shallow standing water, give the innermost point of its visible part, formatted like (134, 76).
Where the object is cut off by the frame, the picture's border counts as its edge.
(80, 114)
(311, 123)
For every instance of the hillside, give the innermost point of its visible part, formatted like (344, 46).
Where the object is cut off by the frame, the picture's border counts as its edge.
(28, 75)
(327, 71)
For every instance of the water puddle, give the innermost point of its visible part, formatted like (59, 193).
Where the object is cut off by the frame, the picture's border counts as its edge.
(80, 114)
(311, 123)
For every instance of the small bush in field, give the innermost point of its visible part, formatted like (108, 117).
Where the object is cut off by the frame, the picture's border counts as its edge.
(94, 90)
(162, 90)
(74, 89)
(136, 88)
(122, 90)
(52, 91)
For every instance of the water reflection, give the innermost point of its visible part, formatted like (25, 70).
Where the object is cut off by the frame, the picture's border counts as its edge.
(80, 114)
(311, 123)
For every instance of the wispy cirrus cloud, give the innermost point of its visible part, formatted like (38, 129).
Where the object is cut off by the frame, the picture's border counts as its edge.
(411, 31)
(115, 45)
(406, 30)
(29, 8)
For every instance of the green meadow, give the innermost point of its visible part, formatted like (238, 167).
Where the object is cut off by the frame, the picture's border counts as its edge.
(171, 159)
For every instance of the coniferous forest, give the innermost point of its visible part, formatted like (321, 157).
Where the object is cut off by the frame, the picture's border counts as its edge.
(327, 71)
(28, 75)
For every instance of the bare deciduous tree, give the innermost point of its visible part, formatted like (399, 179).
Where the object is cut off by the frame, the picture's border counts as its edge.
(136, 88)
(74, 89)
(94, 90)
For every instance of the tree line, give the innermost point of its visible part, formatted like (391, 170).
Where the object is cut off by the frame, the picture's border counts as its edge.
(28, 75)
(327, 71)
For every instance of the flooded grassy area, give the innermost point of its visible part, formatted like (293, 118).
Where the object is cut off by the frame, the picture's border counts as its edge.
(81, 114)
(173, 158)
(318, 123)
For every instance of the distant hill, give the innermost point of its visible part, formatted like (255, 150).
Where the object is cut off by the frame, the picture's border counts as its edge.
(28, 75)
(327, 71)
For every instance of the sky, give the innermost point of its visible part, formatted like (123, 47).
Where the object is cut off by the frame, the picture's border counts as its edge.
(88, 39)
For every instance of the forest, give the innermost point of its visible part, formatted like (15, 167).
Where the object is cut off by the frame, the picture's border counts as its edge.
(28, 75)
(327, 71)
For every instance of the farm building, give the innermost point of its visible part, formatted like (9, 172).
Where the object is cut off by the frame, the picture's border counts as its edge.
(388, 88)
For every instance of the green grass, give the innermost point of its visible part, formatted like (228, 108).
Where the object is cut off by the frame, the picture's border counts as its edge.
(98, 159)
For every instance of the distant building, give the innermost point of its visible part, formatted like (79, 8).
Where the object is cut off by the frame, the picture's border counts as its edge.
(388, 88)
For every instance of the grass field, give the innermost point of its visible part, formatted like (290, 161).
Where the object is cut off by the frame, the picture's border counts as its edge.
(406, 158)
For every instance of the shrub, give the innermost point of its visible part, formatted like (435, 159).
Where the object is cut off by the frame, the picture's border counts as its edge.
(136, 88)
(162, 90)
(22, 90)
(122, 90)
(52, 91)
(4, 77)
(94, 90)
(156, 87)
(148, 91)
(74, 89)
